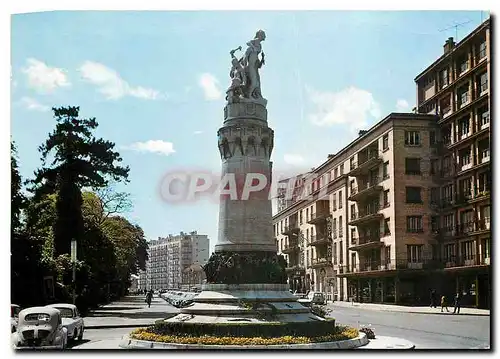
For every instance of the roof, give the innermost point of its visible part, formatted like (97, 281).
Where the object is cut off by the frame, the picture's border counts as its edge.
(47, 309)
(62, 305)
(478, 29)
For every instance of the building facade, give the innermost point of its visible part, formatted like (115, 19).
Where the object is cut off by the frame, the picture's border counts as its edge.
(405, 207)
(456, 88)
(175, 261)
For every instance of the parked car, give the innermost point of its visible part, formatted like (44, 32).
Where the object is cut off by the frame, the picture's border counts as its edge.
(40, 328)
(313, 298)
(71, 320)
(14, 317)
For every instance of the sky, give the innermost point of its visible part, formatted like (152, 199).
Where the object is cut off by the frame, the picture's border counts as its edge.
(156, 81)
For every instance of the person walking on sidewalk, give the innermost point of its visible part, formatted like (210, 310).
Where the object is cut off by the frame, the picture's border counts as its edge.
(433, 298)
(149, 298)
(444, 304)
(458, 297)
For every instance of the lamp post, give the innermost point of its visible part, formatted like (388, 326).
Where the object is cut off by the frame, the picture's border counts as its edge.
(73, 261)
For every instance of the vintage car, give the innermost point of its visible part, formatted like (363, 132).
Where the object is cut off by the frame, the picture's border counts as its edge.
(71, 320)
(40, 328)
(313, 298)
(14, 317)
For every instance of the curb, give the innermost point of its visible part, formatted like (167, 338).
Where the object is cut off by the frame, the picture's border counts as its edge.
(413, 312)
(114, 326)
(360, 341)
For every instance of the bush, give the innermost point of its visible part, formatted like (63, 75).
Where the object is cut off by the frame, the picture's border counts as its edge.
(370, 334)
(320, 310)
(339, 333)
(265, 330)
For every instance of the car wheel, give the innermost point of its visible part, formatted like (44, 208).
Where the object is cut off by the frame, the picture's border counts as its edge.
(80, 337)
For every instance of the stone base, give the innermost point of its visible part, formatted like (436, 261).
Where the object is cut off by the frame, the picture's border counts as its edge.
(245, 303)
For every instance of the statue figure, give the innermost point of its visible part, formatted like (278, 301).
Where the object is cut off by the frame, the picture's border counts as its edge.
(245, 77)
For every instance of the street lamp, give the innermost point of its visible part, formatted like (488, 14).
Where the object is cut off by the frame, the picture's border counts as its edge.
(73, 261)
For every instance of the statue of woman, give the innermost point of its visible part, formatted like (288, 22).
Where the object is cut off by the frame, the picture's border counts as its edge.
(252, 64)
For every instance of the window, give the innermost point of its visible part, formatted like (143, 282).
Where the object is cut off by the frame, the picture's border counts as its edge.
(465, 157)
(434, 166)
(434, 224)
(444, 78)
(335, 253)
(464, 64)
(432, 138)
(307, 214)
(464, 124)
(467, 250)
(351, 185)
(307, 234)
(353, 235)
(341, 169)
(412, 138)
(482, 50)
(484, 115)
(414, 224)
(387, 227)
(341, 231)
(300, 217)
(483, 83)
(334, 203)
(435, 195)
(449, 252)
(463, 96)
(386, 199)
(412, 166)
(341, 253)
(340, 199)
(414, 253)
(466, 187)
(385, 142)
(353, 209)
(448, 221)
(335, 173)
(352, 163)
(334, 226)
(387, 254)
(486, 250)
(385, 170)
(413, 195)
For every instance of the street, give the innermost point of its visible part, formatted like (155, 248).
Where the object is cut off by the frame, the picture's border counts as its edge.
(426, 331)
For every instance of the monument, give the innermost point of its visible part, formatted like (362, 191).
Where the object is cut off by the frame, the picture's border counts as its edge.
(246, 279)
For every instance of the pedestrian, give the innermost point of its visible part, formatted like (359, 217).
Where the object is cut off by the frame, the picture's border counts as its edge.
(433, 298)
(458, 297)
(444, 304)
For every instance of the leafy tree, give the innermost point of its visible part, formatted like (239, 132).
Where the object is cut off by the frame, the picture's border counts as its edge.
(79, 160)
(17, 197)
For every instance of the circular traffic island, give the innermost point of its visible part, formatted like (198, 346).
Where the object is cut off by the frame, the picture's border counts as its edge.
(263, 335)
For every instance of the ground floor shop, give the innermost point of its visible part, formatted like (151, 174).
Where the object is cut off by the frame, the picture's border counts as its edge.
(411, 288)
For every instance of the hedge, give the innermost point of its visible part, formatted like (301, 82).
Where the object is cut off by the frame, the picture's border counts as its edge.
(262, 329)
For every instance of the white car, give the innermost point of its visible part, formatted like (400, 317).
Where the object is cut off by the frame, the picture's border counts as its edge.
(14, 317)
(71, 320)
(40, 328)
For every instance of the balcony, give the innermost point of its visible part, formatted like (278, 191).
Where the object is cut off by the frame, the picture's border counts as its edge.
(291, 247)
(319, 239)
(321, 263)
(290, 229)
(454, 262)
(296, 270)
(361, 217)
(366, 242)
(372, 159)
(361, 192)
(471, 228)
(318, 217)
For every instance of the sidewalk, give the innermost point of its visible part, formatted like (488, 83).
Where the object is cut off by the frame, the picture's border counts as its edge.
(407, 309)
(129, 312)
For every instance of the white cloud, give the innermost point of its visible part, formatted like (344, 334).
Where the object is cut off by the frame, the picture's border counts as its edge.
(294, 159)
(402, 106)
(112, 85)
(33, 105)
(154, 146)
(351, 106)
(210, 87)
(197, 132)
(44, 78)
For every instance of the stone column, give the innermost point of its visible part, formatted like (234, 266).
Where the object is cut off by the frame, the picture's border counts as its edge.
(245, 144)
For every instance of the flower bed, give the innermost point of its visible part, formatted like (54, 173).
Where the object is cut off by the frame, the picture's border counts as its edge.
(337, 334)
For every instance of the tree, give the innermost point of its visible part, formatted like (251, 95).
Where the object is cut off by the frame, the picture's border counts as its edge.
(79, 160)
(17, 198)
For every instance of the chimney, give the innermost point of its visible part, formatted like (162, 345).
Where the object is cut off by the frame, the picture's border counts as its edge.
(449, 45)
(362, 132)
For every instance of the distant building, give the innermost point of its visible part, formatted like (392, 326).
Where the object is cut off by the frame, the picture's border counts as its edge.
(174, 261)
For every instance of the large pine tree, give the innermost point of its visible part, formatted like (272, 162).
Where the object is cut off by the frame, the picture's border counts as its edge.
(78, 160)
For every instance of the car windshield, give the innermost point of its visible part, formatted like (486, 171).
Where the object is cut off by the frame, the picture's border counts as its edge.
(65, 312)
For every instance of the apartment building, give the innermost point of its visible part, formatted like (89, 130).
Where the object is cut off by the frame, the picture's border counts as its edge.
(289, 191)
(175, 261)
(456, 88)
(359, 231)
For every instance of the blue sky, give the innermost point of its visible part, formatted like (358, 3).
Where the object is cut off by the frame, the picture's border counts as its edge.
(155, 81)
